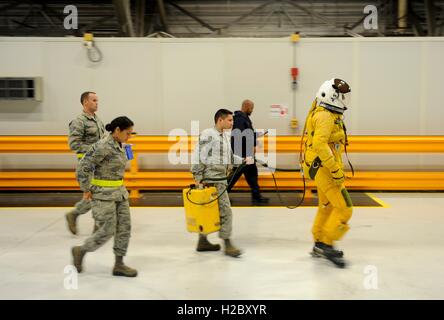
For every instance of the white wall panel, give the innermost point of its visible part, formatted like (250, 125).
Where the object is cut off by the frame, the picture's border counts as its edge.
(163, 84)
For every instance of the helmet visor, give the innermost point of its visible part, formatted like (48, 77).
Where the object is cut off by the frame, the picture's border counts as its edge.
(343, 90)
(344, 100)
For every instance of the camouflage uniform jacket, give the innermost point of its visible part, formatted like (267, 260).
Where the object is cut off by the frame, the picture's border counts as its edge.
(212, 156)
(84, 131)
(105, 160)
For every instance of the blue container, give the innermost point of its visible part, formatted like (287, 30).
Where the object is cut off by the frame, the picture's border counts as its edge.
(129, 152)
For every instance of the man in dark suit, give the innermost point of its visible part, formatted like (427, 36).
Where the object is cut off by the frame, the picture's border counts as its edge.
(243, 144)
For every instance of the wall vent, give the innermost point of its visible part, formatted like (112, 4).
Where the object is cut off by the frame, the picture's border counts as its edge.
(21, 88)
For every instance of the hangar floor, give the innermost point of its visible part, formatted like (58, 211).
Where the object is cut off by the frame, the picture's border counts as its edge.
(394, 251)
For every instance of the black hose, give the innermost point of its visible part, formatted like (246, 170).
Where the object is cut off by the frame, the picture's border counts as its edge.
(264, 164)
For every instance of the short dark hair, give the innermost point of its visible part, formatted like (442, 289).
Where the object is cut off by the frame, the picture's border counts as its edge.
(119, 122)
(221, 113)
(85, 96)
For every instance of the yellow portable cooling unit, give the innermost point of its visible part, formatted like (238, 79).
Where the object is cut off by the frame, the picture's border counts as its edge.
(201, 216)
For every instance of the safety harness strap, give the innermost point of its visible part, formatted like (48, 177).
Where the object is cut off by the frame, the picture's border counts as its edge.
(345, 149)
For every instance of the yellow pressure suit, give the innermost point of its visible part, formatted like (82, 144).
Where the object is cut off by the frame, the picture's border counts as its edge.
(323, 163)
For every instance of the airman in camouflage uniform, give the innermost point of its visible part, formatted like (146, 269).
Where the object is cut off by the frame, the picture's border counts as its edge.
(212, 159)
(85, 130)
(100, 174)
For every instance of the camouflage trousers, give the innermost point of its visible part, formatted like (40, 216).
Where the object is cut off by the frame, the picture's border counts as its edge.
(82, 207)
(113, 219)
(226, 215)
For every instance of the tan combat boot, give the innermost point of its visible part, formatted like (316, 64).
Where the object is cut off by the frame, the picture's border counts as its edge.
(231, 250)
(77, 257)
(205, 245)
(71, 218)
(120, 269)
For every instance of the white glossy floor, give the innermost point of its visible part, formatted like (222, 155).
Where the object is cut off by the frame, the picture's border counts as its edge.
(394, 253)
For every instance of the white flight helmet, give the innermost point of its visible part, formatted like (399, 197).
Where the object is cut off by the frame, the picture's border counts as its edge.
(334, 95)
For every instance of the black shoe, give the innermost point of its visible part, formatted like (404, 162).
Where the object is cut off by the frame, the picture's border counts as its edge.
(326, 251)
(334, 251)
(260, 200)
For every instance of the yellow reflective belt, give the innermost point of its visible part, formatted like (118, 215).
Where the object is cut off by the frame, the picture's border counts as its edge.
(107, 183)
(80, 155)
